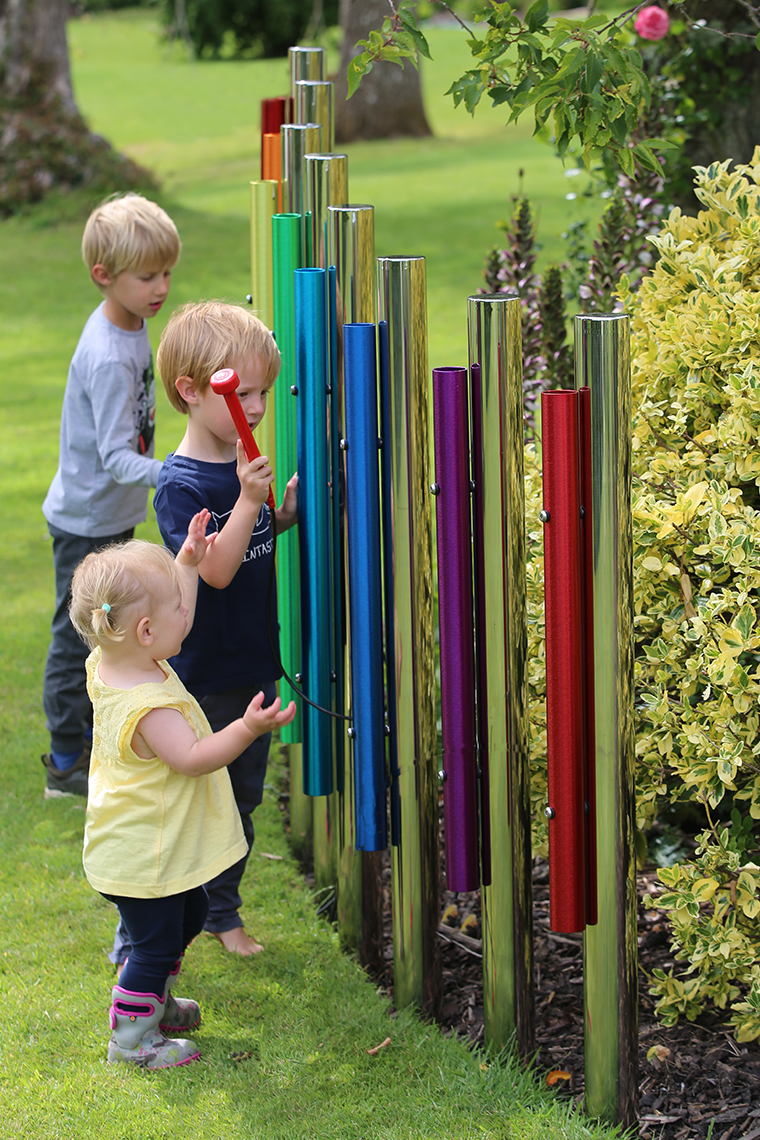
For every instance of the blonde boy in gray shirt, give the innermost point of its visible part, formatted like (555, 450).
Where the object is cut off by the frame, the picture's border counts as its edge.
(106, 464)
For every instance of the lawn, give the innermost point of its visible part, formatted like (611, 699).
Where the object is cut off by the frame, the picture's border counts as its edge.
(282, 1059)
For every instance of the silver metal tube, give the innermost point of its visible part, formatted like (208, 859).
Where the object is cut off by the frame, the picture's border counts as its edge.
(296, 139)
(410, 645)
(325, 184)
(602, 364)
(501, 631)
(305, 63)
(315, 103)
(351, 249)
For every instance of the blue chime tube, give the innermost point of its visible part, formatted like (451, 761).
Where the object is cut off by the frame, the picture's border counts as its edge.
(365, 585)
(314, 525)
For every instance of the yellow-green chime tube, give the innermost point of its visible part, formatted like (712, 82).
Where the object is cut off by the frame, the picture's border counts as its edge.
(263, 206)
(602, 364)
(409, 618)
(498, 504)
(351, 249)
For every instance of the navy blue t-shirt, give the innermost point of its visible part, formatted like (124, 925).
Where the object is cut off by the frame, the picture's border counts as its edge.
(229, 645)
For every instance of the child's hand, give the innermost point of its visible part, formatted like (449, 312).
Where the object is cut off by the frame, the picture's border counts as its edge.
(261, 721)
(287, 515)
(254, 477)
(193, 549)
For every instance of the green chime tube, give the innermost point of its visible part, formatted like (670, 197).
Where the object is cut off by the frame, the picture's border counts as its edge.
(603, 367)
(409, 621)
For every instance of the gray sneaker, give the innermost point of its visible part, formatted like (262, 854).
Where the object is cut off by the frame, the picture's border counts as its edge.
(72, 782)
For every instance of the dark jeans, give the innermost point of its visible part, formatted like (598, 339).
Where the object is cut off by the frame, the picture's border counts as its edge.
(247, 775)
(159, 931)
(64, 688)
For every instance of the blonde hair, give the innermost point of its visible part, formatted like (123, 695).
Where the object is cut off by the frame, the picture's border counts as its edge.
(200, 339)
(130, 234)
(109, 581)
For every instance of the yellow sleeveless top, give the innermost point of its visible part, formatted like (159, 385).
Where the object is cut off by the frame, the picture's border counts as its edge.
(150, 831)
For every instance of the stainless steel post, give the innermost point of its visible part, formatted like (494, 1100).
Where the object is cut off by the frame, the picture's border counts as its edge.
(602, 364)
(351, 249)
(410, 646)
(297, 139)
(325, 184)
(305, 63)
(501, 649)
(314, 103)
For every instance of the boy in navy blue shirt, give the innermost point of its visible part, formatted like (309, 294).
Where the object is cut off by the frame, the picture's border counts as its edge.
(232, 651)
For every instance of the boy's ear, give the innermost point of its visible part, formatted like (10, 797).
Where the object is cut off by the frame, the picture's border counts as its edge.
(100, 275)
(143, 632)
(185, 386)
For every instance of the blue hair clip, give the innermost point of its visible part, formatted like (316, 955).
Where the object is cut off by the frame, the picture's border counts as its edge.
(106, 608)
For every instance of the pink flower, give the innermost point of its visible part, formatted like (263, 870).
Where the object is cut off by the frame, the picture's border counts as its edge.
(652, 23)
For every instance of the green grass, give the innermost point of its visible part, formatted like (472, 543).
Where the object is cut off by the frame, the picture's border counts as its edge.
(282, 1057)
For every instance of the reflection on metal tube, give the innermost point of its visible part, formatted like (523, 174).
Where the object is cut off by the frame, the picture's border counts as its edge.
(325, 184)
(305, 63)
(414, 861)
(314, 528)
(351, 250)
(297, 140)
(315, 104)
(455, 616)
(499, 529)
(602, 346)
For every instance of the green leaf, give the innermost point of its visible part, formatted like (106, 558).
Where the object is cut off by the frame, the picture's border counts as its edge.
(408, 21)
(757, 41)
(535, 17)
(357, 69)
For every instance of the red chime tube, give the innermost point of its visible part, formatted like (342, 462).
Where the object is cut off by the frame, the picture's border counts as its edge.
(587, 642)
(565, 679)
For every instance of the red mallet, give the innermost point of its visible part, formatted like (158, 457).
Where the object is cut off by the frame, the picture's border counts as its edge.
(225, 382)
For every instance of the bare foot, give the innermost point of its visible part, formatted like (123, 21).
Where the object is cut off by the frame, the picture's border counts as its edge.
(238, 942)
(119, 967)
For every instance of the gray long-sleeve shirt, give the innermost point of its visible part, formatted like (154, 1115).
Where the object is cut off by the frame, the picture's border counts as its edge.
(106, 462)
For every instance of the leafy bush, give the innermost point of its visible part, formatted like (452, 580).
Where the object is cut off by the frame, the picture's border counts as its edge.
(246, 28)
(696, 437)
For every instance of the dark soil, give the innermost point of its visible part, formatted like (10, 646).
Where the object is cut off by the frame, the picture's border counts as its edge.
(700, 1083)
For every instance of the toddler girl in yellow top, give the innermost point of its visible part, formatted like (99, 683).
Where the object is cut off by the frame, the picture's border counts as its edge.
(161, 817)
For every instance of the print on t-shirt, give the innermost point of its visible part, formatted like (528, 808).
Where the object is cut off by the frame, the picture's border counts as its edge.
(259, 545)
(145, 413)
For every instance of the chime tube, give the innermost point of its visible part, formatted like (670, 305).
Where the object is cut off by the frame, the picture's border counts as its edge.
(408, 534)
(602, 348)
(305, 63)
(351, 249)
(587, 642)
(565, 687)
(274, 114)
(455, 618)
(501, 628)
(314, 526)
(314, 103)
(296, 140)
(365, 586)
(325, 184)
(264, 199)
(271, 163)
(286, 256)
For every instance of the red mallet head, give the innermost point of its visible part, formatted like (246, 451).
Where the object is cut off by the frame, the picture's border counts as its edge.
(224, 383)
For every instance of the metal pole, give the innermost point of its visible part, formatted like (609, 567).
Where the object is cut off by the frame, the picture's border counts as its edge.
(325, 184)
(351, 250)
(602, 346)
(501, 632)
(305, 63)
(297, 139)
(315, 104)
(410, 642)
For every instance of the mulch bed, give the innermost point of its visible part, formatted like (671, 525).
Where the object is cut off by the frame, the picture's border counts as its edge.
(699, 1083)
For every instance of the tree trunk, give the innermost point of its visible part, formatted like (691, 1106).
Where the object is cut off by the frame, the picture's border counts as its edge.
(45, 144)
(389, 100)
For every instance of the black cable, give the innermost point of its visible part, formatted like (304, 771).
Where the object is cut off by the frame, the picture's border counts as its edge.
(291, 682)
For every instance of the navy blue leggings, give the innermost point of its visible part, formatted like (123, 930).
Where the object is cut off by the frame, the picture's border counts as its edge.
(160, 930)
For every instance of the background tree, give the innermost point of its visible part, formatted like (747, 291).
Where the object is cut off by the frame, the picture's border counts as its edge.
(389, 101)
(44, 142)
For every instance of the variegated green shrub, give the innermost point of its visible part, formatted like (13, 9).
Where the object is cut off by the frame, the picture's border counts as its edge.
(695, 347)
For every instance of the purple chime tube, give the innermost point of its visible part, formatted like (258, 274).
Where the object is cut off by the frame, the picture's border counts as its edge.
(455, 615)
